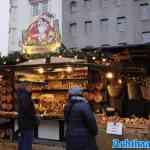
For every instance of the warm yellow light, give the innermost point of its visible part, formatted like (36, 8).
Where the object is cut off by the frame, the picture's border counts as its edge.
(60, 56)
(41, 70)
(104, 60)
(93, 57)
(109, 75)
(69, 69)
(119, 81)
(17, 60)
(75, 57)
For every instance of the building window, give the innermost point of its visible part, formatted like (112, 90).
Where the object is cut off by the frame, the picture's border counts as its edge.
(13, 36)
(73, 28)
(105, 3)
(87, 3)
(146, 37)
(122, 24)
(73, 6)
(145, 11)
(35, 9)
(88, 26)
(117, 2)
(45, 6)
(13, 14)
(104, 26)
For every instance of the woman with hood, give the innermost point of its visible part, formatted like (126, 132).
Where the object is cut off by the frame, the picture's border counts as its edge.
(80, 121)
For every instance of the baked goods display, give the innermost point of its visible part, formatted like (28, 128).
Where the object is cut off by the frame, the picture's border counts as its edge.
(65, 80)
(47, 104)
(133, 122)
(78, 73)
(6, 95)
(64, 84)
(50, 98)
(11, 114)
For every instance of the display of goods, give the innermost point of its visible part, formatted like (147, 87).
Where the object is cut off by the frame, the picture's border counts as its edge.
(6, 95)
(50, 103)
(133, 91)
(8, 114)
(64, 84)
(134, 122)
(5, 133)
(114, 91)
(60, 73)
(145, 92)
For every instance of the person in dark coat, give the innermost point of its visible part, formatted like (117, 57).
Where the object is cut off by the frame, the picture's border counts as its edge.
(80, 121)
(27, 120)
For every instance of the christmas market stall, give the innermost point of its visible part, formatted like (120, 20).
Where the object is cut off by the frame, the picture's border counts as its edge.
(123, 93)
(50, 83)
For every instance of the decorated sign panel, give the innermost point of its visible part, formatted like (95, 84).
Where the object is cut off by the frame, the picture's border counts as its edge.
(41, 36)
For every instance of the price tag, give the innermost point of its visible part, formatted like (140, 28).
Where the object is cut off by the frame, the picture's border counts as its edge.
(114, 128)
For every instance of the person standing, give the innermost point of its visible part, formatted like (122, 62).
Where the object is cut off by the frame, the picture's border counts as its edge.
(80, 121)
(27, 120)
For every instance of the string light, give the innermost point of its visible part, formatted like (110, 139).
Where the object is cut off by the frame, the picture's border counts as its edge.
(75, 57)
(119, 81)
(60, 56)
(109, 75)
(69, 69)
(41, 70)
(104, 60)
(93, 57)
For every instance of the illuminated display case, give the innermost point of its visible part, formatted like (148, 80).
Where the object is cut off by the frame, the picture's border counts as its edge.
(49, 88)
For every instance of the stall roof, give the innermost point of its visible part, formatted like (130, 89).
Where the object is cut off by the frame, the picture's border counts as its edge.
(53, 60)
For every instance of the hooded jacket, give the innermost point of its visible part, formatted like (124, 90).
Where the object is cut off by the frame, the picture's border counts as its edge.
(81, 124)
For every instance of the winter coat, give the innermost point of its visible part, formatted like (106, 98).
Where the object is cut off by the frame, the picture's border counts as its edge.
(27, 115)
(81, 125)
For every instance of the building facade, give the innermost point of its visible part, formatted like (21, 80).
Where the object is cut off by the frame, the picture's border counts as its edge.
(97, 23)
(23, 12)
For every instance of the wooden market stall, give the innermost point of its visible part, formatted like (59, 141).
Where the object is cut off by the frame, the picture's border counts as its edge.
(125, 85)
(115, 90)
(50, 84)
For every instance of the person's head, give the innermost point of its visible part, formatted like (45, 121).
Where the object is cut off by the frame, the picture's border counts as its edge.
(24, 86)
(29, 87)
(75, 91)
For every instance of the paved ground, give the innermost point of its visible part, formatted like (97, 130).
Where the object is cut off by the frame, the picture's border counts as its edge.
(35, 147)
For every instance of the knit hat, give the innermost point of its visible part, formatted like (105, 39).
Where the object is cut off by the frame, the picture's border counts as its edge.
(75, 91)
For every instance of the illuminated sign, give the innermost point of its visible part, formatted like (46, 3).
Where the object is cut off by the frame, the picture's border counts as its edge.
(41, 36)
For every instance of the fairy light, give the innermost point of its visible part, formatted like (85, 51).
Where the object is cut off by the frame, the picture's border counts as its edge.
(75, 57)
(104, 60)
(41, 70)
(109, 75)
(93, 57)
(60, 56)
(119, 81)
(69, 69)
